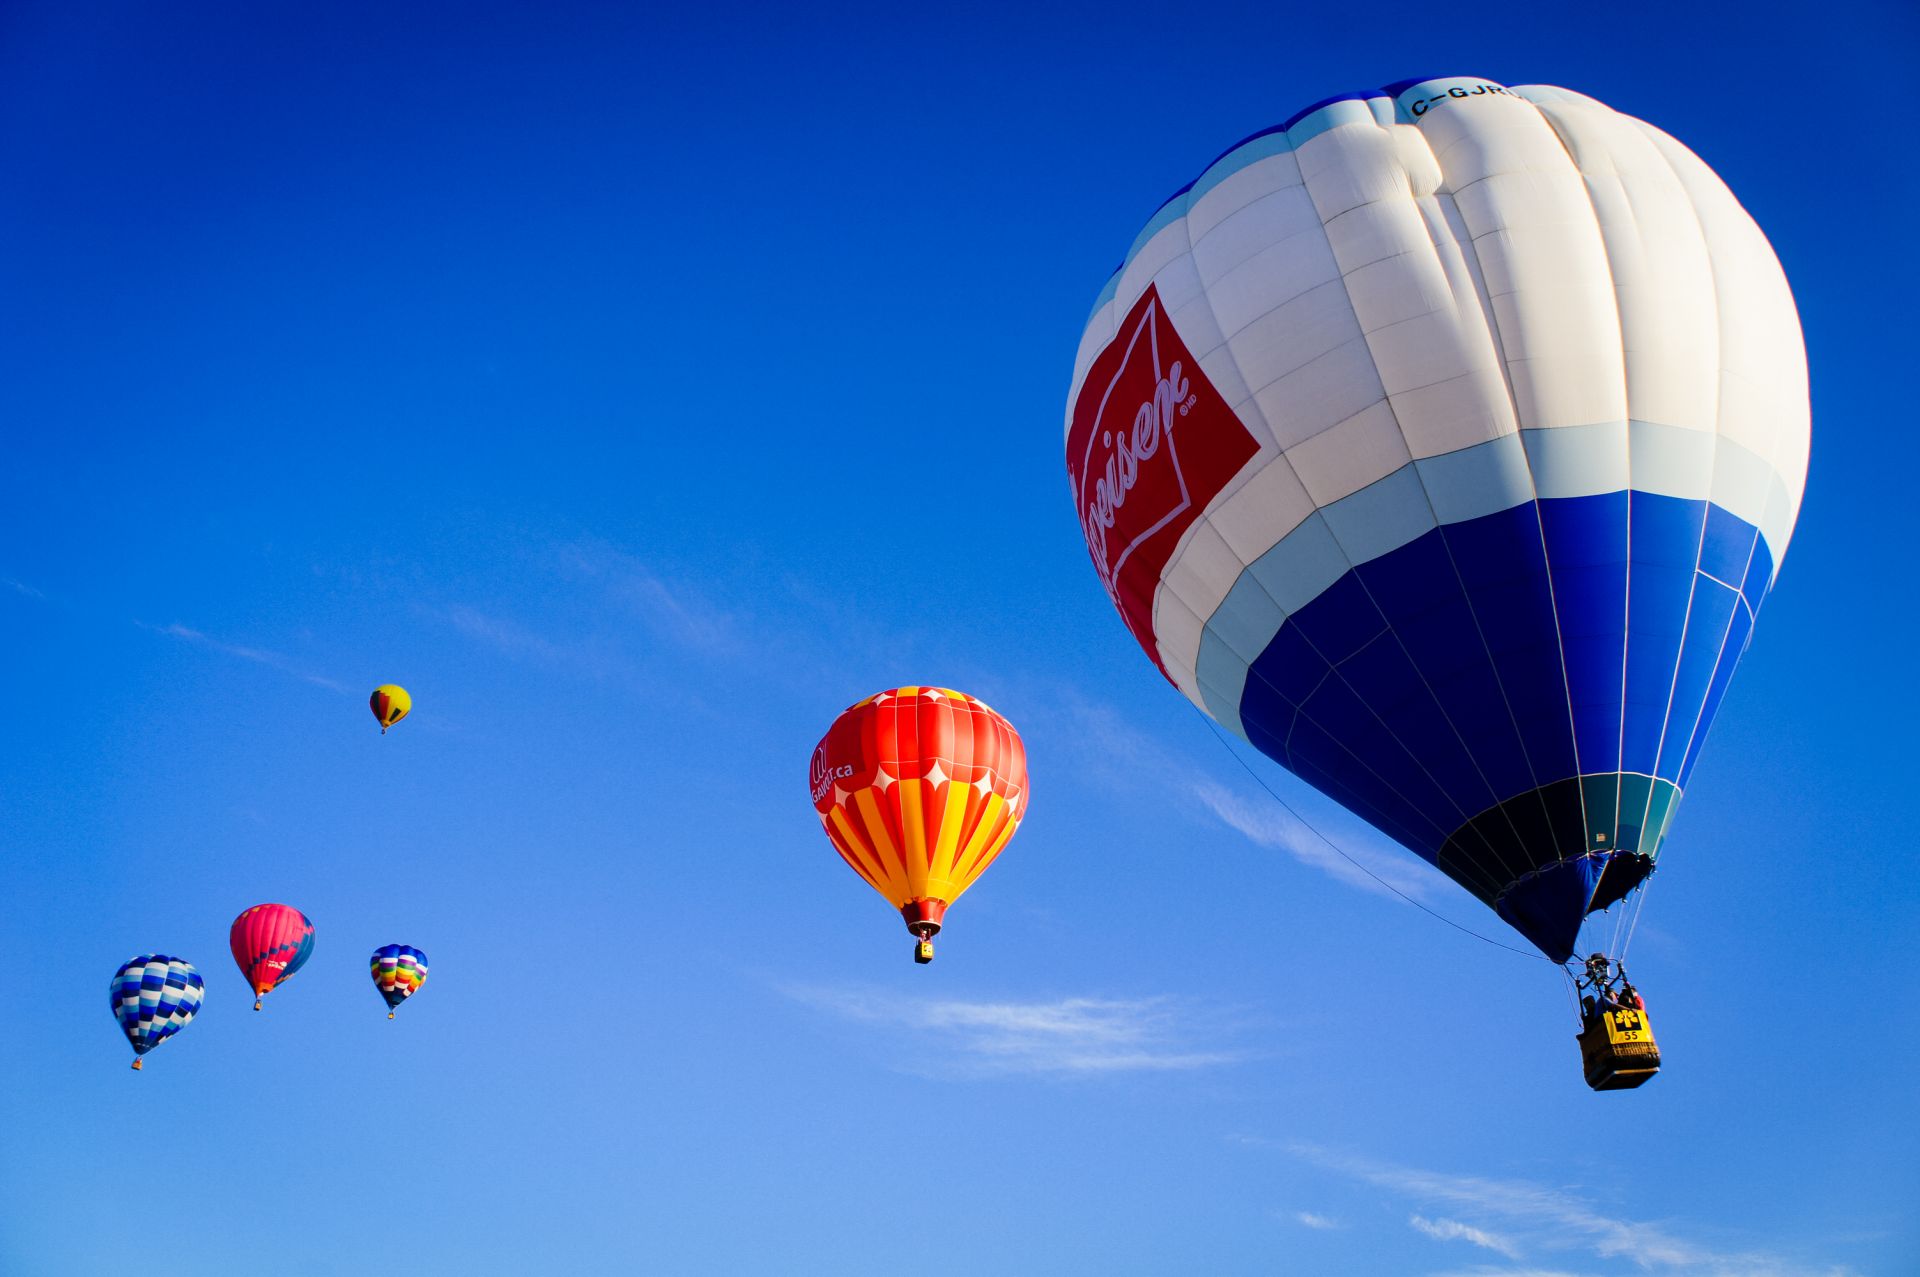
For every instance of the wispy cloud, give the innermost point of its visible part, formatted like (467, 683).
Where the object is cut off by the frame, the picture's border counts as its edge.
(1556, 1219)
(1125, 754)
(1323, 1223)
(1064, 1037)
(1264, 822)
(22, 588)
(259, 656)
(673, 609)
(603, 612)
(1495, 1271)
(1448, 1230)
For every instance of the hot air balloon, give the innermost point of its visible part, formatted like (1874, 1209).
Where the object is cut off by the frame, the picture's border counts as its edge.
(919, 788)
(390, 703)
(153, 997)
(1443, 443)
(398, 972)
(270, 942)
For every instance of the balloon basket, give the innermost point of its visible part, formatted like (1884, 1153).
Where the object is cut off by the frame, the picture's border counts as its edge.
(1617, 1050)
(923, 952)
(137, 1062)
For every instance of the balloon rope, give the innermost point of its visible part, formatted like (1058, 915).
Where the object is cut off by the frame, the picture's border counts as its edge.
(1640, 902)
(1308, 826)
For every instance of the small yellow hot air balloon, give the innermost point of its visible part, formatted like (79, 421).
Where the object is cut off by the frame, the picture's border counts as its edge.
(390, 704)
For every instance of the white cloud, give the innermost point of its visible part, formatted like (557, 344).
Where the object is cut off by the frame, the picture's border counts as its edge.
(673, 610)
(1448, 1230)
(1263, 821)
(1064, 1037)
(1125, 754)
(1323, 1223)
(259, 656)
(1555, 1219)
(21, 587)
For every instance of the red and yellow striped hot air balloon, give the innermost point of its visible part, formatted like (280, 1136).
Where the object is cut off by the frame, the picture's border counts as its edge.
(919, 788)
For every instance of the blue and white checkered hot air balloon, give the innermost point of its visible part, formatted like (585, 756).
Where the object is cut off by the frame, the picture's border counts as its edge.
(154, 997)
(1443, 443)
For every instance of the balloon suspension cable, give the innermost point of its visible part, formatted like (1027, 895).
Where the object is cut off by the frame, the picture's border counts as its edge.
(1639, 903)
(1309, 827)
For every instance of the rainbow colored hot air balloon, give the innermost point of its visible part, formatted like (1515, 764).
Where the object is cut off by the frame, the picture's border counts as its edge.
(270, 943)
(919, 788)
(1443, 442)
(153, 997)
(390, 703)
(398, 972)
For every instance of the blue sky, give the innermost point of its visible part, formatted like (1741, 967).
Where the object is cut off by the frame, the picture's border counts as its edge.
(639, 390)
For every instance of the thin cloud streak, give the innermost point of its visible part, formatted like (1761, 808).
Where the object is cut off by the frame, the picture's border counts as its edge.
(1321, 1223)
(1269, 826)
(1065, 1037)
(259, 656)
(1447, 1230)
(1125, 754)
(1554, 1219)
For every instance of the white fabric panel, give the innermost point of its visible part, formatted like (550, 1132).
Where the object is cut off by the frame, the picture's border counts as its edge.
(1361, 450)
(1255, 227)
(1201, 574)
(1307, 401)
(1293, 335)
(1176, 632)
(1663, 280)
(1763, 362)
(1541, 258)
(1270, 504)
(1240, 188)
(1288, 268)
(1509, 296)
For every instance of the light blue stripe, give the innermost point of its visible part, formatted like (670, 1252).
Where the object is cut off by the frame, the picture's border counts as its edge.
(1478, 480)
(1223, 680)
(1670, 462)
(1483, 479)
(1298, 569)
(1264, 147)
(1332, 116)
(1381, 517)
(1578, 461)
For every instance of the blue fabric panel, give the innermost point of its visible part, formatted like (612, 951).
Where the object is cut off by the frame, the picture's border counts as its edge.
(1726, 547)
(1707, 621)
(1341, 621)
(1666, 539)
(1548, 907)
(1737, 634)
(1759, 578)
(1501, 559)
(1586, 541)
(1495, 657)
(1285, 675)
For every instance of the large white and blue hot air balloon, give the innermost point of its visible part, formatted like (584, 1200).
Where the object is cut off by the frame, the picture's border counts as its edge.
(1443, 443)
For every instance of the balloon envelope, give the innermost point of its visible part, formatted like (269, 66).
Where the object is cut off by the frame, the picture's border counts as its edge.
(919, 789)
(390, 703)
(398, 972)
(1443, 443)
(270, 943)
(153, 997)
